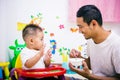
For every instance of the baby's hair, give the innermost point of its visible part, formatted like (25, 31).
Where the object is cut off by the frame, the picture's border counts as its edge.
(30, 29)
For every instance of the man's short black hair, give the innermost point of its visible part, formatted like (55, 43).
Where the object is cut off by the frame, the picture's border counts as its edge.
(89, 13)
(30, 29)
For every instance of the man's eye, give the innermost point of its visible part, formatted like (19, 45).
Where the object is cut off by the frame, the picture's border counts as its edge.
(41, 39)
(80, 26)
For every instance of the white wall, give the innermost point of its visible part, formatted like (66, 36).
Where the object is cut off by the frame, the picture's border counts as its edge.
(113, 26)
(13, 11)
(2, 32)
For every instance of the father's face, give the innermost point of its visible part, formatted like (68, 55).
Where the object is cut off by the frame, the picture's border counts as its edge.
(84, 28)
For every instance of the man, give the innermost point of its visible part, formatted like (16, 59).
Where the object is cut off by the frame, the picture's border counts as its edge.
(103, 47)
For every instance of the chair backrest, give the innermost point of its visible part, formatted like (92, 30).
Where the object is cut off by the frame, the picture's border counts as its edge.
(18, 63)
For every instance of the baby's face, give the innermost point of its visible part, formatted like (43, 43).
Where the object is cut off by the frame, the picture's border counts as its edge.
(38, 40)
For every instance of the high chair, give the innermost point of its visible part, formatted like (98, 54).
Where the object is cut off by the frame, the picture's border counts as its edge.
(18, 73)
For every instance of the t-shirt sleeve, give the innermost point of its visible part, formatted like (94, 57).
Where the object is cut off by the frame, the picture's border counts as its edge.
(116, 58)
(88, 48)
(25, 55)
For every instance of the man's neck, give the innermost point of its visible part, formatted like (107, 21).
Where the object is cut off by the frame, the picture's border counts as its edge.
(101, 36)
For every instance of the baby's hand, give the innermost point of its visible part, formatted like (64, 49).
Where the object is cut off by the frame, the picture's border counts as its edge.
(48, 55)
(47, 58)
(42, 50)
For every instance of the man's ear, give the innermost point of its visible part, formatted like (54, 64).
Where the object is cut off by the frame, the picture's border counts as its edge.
(93, 24)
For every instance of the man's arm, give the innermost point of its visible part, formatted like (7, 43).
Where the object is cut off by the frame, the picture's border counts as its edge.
(94, 77)
(86, 73)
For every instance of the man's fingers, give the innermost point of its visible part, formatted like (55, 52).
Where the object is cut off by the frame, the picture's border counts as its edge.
(71, 66)
(85, 67)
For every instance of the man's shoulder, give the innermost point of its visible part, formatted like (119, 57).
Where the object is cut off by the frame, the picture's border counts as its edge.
(115, 35)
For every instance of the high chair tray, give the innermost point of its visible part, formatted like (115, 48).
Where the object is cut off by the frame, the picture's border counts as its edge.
(44, 72)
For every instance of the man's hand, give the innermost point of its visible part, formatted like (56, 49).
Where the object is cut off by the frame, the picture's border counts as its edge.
(84, 72)
(75, 54)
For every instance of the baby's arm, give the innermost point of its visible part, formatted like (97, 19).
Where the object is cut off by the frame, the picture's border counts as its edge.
(47, 58)
(32, 61)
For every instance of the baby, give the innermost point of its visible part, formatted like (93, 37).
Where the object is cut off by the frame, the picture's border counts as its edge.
(32, 55)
